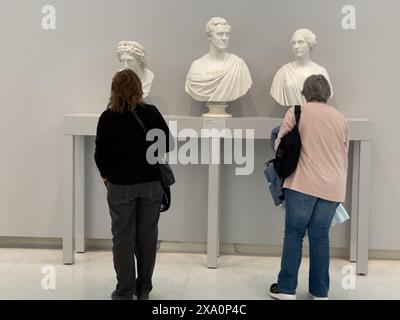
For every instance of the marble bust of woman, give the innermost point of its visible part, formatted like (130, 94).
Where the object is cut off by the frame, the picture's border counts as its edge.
(288, 82)
(132, 55)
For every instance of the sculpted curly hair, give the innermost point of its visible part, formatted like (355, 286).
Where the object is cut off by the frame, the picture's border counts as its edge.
(213, 22)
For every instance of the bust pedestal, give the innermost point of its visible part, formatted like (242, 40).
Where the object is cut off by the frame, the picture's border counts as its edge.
(217, 110)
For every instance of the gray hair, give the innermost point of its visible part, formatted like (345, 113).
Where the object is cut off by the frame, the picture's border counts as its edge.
(316, 88)
(213, 22)
(133, 48)
(308, 35)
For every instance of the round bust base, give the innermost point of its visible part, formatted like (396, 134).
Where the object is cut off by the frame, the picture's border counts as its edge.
(217, 110)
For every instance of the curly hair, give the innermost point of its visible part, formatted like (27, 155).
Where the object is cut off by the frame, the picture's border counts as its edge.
(133, 48)
(126, 91)
(213, 22)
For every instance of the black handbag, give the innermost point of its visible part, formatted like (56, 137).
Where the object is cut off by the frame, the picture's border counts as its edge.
(166, 174)
(288, 153)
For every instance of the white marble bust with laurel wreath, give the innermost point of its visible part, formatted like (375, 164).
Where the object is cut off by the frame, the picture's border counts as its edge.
(132, 55)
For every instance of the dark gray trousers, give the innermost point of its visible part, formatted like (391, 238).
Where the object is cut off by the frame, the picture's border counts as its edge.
(135, 211)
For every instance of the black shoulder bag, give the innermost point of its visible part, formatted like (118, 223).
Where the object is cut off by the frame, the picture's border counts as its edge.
(288, 153)
(167, 176)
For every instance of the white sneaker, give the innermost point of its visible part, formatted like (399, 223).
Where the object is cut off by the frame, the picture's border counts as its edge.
(317, 298)
(275, 293)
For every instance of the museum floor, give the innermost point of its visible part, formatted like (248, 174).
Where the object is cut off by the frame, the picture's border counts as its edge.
(177, 276)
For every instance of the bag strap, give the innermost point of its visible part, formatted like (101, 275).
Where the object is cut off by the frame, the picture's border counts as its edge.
(142, 126)
(297, 112)
(140, 122)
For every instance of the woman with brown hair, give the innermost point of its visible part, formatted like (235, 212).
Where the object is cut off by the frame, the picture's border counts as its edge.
(134, 190)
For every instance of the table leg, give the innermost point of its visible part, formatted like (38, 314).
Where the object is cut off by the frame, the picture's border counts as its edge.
(68, 201)
(354, 201)
(79, 194)
(364, 208)
(213, 207)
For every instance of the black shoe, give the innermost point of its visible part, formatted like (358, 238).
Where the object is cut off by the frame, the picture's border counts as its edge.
(116, 296)
(143, 296)
(275, 293)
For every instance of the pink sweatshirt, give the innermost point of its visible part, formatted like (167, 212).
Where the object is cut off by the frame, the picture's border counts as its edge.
(322, 168)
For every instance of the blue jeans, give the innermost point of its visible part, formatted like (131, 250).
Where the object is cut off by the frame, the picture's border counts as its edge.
(306, 212)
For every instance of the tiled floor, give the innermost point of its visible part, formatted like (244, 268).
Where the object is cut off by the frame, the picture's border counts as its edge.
(178, 276)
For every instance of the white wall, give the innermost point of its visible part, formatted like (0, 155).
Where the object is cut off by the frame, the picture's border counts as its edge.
(46, 74)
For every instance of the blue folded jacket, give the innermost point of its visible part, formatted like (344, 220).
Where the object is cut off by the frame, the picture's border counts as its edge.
(274, 182)
(274, 185)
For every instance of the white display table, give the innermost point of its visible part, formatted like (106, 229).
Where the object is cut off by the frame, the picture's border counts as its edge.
(77, 126)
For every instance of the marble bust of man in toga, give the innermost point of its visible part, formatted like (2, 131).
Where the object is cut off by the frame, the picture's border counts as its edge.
(218, 77)
(132, 55)
(288, 82)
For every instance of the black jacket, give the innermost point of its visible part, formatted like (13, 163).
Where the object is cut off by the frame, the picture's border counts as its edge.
(121, 145)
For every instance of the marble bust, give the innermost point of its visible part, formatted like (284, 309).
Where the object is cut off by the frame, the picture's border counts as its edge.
(132, 55)
(218, 77)
(288, 82)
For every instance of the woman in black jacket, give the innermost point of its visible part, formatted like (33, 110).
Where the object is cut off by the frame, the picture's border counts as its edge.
(134, 191)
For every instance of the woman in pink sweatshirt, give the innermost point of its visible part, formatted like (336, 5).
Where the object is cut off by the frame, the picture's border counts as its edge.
(314, 190)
